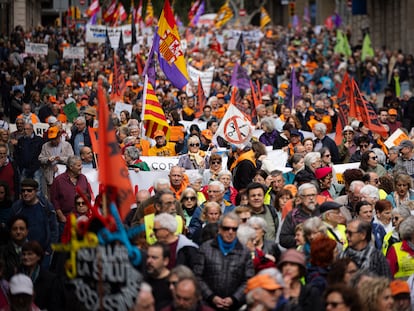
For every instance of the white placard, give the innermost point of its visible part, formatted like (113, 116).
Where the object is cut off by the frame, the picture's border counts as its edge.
(122, 106)
(74, 52)
(36, 49)
(395, 138)
(95, 33)
(206, 78)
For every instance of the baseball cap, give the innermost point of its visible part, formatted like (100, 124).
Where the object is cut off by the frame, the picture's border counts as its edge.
(52, 120)
(328, 206)
(392, 112)
(159, 133)
(399, 287)
(21, 284)
(266, 97)
(348, 128)
(207, 134)
(406, 143)
(294, 132)
(264, 281)
(52, 132)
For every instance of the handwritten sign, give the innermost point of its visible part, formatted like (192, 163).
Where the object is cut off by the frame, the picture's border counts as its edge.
(36, 49)
(119, 106)
(74, 52)
(105, 274)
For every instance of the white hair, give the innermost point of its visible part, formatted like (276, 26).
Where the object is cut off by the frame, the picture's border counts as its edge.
(217, 183)
(311, 157)
(245, 233)
(304, 187)
(355, 184)
(167, 221)
(320, 127)
(258, 221)
(370, 191)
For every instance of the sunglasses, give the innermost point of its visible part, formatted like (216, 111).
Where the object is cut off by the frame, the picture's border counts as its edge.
(374, 158)
(189, 198)
(195, 145)
(327, 155)
(364, 146)
(334, 304)
(27, 190)
(215, 162)
(80, 203)
(226, 228)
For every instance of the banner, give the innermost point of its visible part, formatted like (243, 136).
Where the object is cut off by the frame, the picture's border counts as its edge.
(96, 34)
(122, 106)
(251, 35)
(41, 128)
(36, 49)
(206, 78)
(74, 52)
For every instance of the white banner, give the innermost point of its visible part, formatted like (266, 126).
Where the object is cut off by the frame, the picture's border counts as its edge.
(122, 106)
(74, 52)
(41, 128)
(160, 163)
(36, 49)
(95, 33)
(206, 78)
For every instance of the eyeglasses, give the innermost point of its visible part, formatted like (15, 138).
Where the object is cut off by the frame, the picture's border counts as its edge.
(312, 195)
(27, 190)
(349, 232)
(194, 145)
(80, 203)
(396, 218)
(215, 162)
(189, 198)
(327, 156)
(213, 191)
(334, 304)
(374, 158)
(226, 228)
(364, 145)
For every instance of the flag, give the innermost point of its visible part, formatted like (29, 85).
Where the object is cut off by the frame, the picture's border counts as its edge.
(154, 118)
(113, 172)
(224, 14)
(342, 45)
(167, 45)
(242, 49)
(92, 20)
(120, 14)
(236, 100)
(93, 9)
(139, 14)
(193, 10)
(149, 69)
(264, 17)
(200, 11)
(240, 78)
(201, 96)
(108, 14)
(149, 13)
(306, 16)
(121, 48)
(107, 47)
(235, 128)
(133, 27)
(118, 83)
(294, 94)
(329, 24)
(344, 99)
(337, 20)
(367, 50)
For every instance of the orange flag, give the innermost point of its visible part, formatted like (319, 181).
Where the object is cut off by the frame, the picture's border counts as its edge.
(202, 100)
(113, 173)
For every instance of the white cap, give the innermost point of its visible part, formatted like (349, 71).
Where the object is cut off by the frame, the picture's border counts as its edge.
(52, 120)
(21, 284)
(348, 128)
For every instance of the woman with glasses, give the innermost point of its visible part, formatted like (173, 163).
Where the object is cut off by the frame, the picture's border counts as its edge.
(369, 163)
(398, 215)
(325, 157)
(215, 166)
(195, 158)
(402, 190)
(189, 204)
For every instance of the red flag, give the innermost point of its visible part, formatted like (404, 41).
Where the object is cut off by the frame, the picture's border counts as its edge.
(202, 100)
(118, 83)
(108, 14)
(113, 173)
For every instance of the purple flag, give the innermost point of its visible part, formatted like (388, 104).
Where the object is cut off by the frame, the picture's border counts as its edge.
(240, 78)
(200, 11)
(293, 95)
(337, 20)
(295, 21)
(149, 68)
(306, 17)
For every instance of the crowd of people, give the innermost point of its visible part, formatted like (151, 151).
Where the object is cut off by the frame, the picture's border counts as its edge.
(223, 235)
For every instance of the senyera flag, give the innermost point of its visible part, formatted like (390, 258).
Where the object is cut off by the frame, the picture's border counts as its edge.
(113, 173)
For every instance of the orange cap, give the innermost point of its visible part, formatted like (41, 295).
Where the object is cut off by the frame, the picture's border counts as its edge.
(158, 133)
(399, 287)
(392, 112)
(53, 132)
(207, 134)
(264, 281)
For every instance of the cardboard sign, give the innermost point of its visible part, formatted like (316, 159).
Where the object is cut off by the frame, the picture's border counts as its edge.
(36, 49)
(74, 52)
(396, 138)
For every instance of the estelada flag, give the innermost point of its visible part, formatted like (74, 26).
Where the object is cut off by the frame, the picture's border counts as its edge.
(113, 173)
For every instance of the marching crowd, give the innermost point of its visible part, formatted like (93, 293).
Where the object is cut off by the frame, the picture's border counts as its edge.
(225, 236)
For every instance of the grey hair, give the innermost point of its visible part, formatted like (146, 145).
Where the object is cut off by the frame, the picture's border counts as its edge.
(268, 121)
(182, 272)
(304, 187)
(258, 221)
(370, 191)
(194, 176)
(81, 119)
(320, 127)
(354, 184)
(230, 215)
(161, 181)
(403, 210)
(211, 99)
(406, 229)
(311, 157)
(224, 173)
(245, 233)
(167, 221)
(129, 140)
(275, 274)
(380, 155)
(313, 223)
(193, 139)
(408, 93)
(133, 152)
(217, 183)
(73, 159)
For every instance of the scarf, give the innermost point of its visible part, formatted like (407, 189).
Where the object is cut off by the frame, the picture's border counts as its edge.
(197, 157)
(398, 200)
(225, 247)
(361, 258)
(248, 155)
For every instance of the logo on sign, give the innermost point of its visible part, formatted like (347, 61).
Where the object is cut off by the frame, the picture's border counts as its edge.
(236, 130)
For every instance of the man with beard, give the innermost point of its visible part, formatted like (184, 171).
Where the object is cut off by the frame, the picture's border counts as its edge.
(157, 274)
(306, 209)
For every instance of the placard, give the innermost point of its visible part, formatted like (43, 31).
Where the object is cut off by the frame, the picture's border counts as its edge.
(74, 52)
(36, 48)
